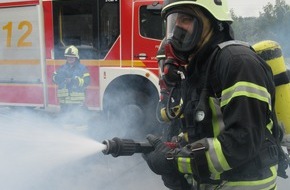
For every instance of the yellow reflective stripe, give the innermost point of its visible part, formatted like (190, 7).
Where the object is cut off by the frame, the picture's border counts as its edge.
(81, 82)
(270, 126)
(218, 126)
(72, 97)
(263, 184)
(213, 172)
(86, 75)
(62, 92)
(77, 94)
(70, 102)
(217, 119)
(184, 165)
(215, 157)
(246, 89)
(77, 98)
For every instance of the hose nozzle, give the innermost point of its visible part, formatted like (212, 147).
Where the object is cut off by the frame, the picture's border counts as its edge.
(125, 147)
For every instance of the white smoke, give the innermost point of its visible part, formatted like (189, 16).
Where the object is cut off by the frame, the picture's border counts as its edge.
(41, 152)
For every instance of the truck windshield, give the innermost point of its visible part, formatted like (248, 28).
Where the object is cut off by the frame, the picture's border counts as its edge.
(94, 25)
(91, 25)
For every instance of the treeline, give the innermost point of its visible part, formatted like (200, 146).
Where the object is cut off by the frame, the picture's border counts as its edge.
(273, 23)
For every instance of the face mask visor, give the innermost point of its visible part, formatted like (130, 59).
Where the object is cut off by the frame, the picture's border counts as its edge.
(183, 31)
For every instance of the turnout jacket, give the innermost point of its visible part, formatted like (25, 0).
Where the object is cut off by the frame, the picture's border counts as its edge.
(235, 136)
(72, 83)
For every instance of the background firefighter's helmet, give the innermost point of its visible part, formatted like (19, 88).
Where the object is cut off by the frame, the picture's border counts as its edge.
(218, 8)
(72, 51)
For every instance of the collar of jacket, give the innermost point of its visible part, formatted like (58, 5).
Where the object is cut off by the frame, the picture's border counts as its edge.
(199, 63)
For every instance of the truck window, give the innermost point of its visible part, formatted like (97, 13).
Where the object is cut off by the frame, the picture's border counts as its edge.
(151, 23)
(90, 25)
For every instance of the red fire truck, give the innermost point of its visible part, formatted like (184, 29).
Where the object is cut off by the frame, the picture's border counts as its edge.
(117, 41)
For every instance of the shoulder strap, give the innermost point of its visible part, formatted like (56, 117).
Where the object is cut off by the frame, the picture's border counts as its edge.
(212, 80)
(233, 42)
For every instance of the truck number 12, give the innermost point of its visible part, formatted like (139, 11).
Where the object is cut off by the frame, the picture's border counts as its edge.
(26, 26)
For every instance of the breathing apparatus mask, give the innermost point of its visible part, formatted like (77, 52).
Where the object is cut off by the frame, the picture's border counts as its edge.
(183, 33)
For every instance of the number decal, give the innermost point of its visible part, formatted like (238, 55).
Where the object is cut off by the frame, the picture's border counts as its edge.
(8, 27)
(26, 26)
(21, 42)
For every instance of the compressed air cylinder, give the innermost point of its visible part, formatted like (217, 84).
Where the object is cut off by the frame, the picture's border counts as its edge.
(271, 52)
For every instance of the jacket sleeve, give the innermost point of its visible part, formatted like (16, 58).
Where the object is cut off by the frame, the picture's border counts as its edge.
(82, 79)
(246, 105)
(86, 77)
(59, 76)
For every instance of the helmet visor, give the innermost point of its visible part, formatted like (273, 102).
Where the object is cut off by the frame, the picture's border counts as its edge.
(183, 31)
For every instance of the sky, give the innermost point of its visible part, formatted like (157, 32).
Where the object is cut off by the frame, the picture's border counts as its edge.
(244, 8)
(248, 8)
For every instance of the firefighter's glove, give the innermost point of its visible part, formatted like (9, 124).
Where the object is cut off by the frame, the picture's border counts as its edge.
(159, 164)
(156, 159)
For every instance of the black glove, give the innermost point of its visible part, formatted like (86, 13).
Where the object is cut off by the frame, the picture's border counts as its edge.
(160, 165)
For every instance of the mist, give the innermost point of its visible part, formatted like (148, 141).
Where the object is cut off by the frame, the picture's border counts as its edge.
(40, 151)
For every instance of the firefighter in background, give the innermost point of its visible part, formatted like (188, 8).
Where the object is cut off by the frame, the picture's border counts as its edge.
(72, 79)
(228, 100)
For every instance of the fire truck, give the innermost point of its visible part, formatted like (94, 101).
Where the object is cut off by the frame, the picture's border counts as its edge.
(117, 41)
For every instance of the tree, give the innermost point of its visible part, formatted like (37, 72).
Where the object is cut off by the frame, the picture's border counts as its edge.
(272, 24)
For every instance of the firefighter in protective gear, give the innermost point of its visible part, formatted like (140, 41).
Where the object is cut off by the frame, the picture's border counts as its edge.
(228, 96)
(72, 79)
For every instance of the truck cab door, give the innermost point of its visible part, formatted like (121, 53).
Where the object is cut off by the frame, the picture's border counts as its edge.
(148, 31)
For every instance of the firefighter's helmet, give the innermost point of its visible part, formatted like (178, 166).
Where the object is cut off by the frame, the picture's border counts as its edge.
(218, 8)
(187, 23)
(71, 51)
